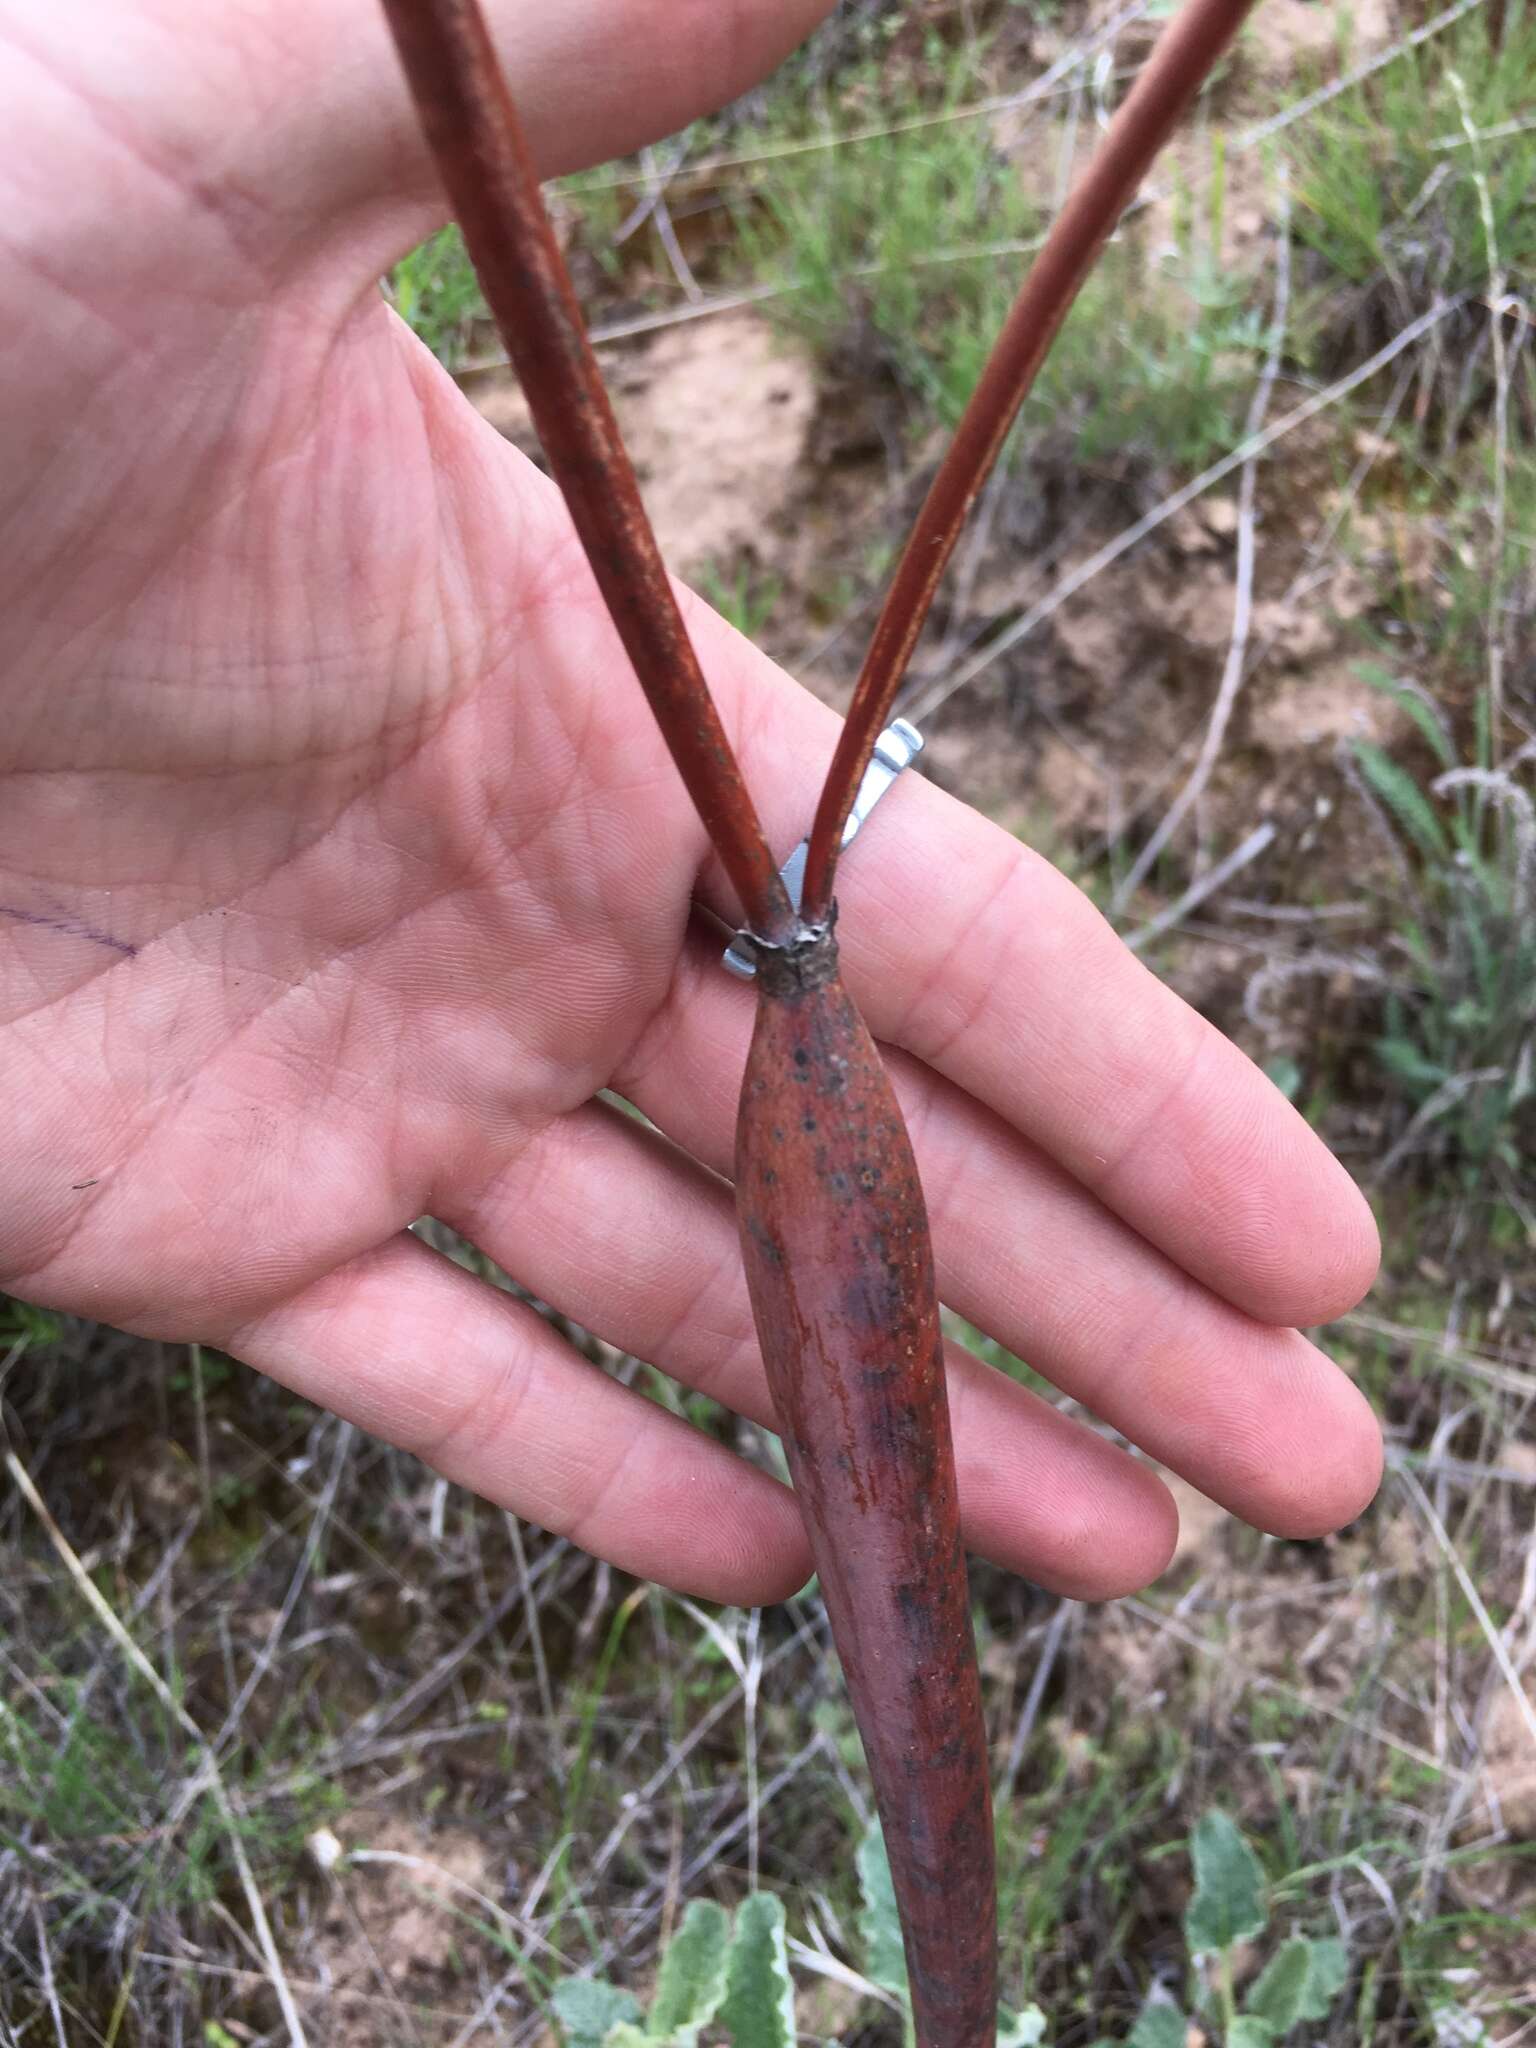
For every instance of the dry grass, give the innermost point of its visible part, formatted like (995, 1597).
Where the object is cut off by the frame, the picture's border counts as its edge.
(462, 1760)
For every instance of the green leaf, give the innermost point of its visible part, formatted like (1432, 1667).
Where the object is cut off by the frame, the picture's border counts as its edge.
(1279, 1994)
(1159, 2025)
(1285, 1074)
(885, 1957)
(1247, 2032)
(1228, 1905)
(1330, 1967)
(1022, 2030)
(588, 2010)
(1404, 799)
(1416, 707)
(1300, 1982)
(759, 2007)
(691, 1983)
(1402, 1058)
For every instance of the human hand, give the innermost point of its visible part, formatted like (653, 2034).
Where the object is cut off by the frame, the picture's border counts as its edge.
(341, 866)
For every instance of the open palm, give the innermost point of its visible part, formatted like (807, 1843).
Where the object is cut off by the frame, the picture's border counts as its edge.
(341, 866)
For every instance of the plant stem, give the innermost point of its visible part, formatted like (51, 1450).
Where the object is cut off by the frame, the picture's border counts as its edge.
(839, 1265)
(1227, 1994)
(476, 138)
(1185, 54)
(834, 1233)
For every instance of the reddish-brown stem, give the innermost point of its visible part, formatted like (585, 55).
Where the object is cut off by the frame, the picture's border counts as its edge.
(834, 1233)
(834, 1238)
(476, 138)
(1183, 59)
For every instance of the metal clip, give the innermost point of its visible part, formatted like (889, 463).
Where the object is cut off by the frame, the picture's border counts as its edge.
(897, 748)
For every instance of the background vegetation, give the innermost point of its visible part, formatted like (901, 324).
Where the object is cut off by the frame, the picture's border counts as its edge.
(292, 1733)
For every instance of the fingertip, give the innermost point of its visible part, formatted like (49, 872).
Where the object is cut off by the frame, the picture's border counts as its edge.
(1044, 1496)
(773, 1588)
(1303, 1246)
(1303, 1456)
(1348, 1257)
(1344, 1464)
(1158, 1528)
(1119, 1543)
(769, 1580)
(753, 1553)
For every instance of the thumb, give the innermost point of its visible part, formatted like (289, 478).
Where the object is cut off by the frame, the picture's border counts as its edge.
(592, 79)
(291, 118)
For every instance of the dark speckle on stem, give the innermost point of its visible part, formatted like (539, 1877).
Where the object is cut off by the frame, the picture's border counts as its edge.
(841, 1278)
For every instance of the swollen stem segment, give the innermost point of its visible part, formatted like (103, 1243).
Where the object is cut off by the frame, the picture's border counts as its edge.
(835, 1241)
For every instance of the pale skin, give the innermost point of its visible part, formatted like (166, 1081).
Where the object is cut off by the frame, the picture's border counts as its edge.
(341, 866)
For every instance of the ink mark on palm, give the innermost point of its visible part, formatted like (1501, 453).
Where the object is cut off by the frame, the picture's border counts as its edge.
(67, 927)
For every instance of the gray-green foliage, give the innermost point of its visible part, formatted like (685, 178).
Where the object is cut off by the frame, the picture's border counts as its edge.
(1459, 1036)
(1300, 1982)
(691, 1983)
(437, 294)
(1384, 174)
(1230, 1907)
(1025, 2029)
(589, 2011)
(907, 247)
(1228, 1901)
(733, 1975)
(1159, 2024)
(885, 1961)
(716, 1971)
(1159, 355)
(23, 1327)
(886, 247)
(743, 593)
(759, 2006)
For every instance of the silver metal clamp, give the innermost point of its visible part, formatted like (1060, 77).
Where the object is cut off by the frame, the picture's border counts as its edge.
(897, 748)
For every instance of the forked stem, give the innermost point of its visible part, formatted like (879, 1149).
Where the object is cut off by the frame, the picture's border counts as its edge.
(476, 138)
(1182, 60)
(834, 1233)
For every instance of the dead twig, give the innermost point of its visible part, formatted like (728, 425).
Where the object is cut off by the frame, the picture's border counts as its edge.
(1205, 886)
(1242, 604)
